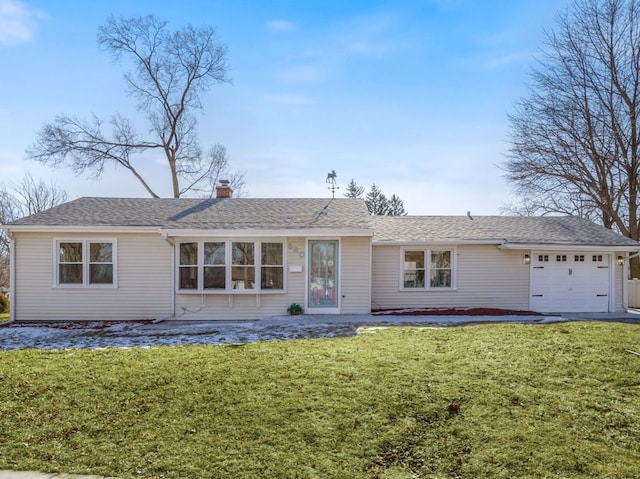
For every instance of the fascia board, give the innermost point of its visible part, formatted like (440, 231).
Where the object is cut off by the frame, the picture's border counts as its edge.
(569, 247)
(79, 229)
(435, 242)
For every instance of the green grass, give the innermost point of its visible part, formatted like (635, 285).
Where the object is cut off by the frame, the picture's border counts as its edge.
(4, 317)
(492, 401)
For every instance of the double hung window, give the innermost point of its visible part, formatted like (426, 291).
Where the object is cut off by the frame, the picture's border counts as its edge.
(427, 269)
(85, 263)
(231, 266)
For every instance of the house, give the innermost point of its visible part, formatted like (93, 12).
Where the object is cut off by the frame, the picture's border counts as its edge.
(241, 258)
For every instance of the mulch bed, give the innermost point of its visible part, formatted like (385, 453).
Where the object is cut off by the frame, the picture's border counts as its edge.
(454, 312)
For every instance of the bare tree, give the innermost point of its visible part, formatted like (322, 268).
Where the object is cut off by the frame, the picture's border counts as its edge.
(172, 71)
(26, 198)
(575, 140)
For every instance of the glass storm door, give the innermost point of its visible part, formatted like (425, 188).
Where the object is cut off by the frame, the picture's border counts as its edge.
(323, 275)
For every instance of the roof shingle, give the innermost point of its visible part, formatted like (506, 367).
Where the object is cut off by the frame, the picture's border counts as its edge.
(558, 230)
(191, 213)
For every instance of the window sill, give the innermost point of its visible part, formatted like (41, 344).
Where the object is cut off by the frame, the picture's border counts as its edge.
(424, 290)
(85, 286)
(231, 291)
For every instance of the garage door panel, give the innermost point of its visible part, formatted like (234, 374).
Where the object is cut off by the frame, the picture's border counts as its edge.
(570, 282)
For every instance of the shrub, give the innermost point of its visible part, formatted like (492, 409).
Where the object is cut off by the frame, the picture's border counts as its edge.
(295, 308)
(4, 304)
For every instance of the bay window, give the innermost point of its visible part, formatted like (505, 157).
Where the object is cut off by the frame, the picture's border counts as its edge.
(85, 263)
(214, 266)
(272, 269)
(231, 266)
(427, 268)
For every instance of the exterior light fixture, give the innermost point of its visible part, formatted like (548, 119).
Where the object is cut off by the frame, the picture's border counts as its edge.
(620, 260)
(526, 259)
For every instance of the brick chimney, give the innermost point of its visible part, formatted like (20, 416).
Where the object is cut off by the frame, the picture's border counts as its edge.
(224, 190)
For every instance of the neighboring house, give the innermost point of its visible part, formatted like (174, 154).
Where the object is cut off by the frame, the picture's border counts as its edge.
(237, 258)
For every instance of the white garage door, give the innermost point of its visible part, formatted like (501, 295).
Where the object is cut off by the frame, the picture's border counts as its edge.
(570, 282)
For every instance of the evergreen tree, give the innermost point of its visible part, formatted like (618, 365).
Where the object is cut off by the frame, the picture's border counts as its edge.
(376, 201)
(395, 207)
(353, 190)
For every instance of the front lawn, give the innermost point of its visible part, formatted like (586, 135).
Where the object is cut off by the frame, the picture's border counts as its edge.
(491, 401)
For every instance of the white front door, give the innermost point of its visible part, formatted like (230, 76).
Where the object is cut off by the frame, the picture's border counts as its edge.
(322, 290)
(565, 281)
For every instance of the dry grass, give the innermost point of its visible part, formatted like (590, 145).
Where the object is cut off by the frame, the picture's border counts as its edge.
(497, 401)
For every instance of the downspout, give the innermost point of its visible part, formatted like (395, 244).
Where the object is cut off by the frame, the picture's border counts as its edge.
(625, 285)
(13, 303)
(165, 236)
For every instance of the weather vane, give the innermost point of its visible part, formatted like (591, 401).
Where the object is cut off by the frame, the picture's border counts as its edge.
(331, 179)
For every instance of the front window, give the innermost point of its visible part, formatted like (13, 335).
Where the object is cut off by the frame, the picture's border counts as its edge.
(243, 271)
(70, 264)
(414, 269)
(440, 269)
(226, 266)
(189, 266)
(100, 263)
(272, 270)
(427, 269)
(85, 263)
(214, 266)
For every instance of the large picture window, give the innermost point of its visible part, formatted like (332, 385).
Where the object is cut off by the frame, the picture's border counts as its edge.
(231, 266)
(85, 263)
(272, 269)
(427, 268)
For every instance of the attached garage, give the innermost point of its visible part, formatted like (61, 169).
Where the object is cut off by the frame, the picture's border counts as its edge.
(572, 281)
(550, 264)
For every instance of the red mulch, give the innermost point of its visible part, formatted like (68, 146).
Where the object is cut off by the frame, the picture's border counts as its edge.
(455, 312)
(73, 324)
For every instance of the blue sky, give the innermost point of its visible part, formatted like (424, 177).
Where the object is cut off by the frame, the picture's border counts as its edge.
(410, 95)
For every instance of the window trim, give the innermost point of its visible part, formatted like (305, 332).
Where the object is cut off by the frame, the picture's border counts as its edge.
(427, 250)
(86, 262)
(229, 265)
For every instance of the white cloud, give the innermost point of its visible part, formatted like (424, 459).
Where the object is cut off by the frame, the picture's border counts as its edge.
(279, 25)
(17, 22)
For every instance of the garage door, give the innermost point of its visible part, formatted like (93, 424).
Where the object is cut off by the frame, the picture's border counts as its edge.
(570, 282)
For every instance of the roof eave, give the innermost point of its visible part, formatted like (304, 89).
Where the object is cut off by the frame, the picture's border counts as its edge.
(437, 242)
(258, 232)
(78, 229)
(568, 246)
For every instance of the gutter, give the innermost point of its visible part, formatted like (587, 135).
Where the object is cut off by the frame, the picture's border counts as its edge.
(13, 303)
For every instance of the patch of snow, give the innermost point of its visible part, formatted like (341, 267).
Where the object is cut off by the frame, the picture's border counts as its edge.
(176, 333)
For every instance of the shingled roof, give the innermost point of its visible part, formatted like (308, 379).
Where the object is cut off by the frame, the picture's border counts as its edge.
(306, 213)
(191, 213)
(547, 230)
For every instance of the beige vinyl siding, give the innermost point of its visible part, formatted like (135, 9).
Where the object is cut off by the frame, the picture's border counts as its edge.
(143, 281)
(355, 271)
(355, 287)
(249, 306)
(484, 277)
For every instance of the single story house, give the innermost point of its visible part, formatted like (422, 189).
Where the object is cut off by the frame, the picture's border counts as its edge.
(242, 258)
